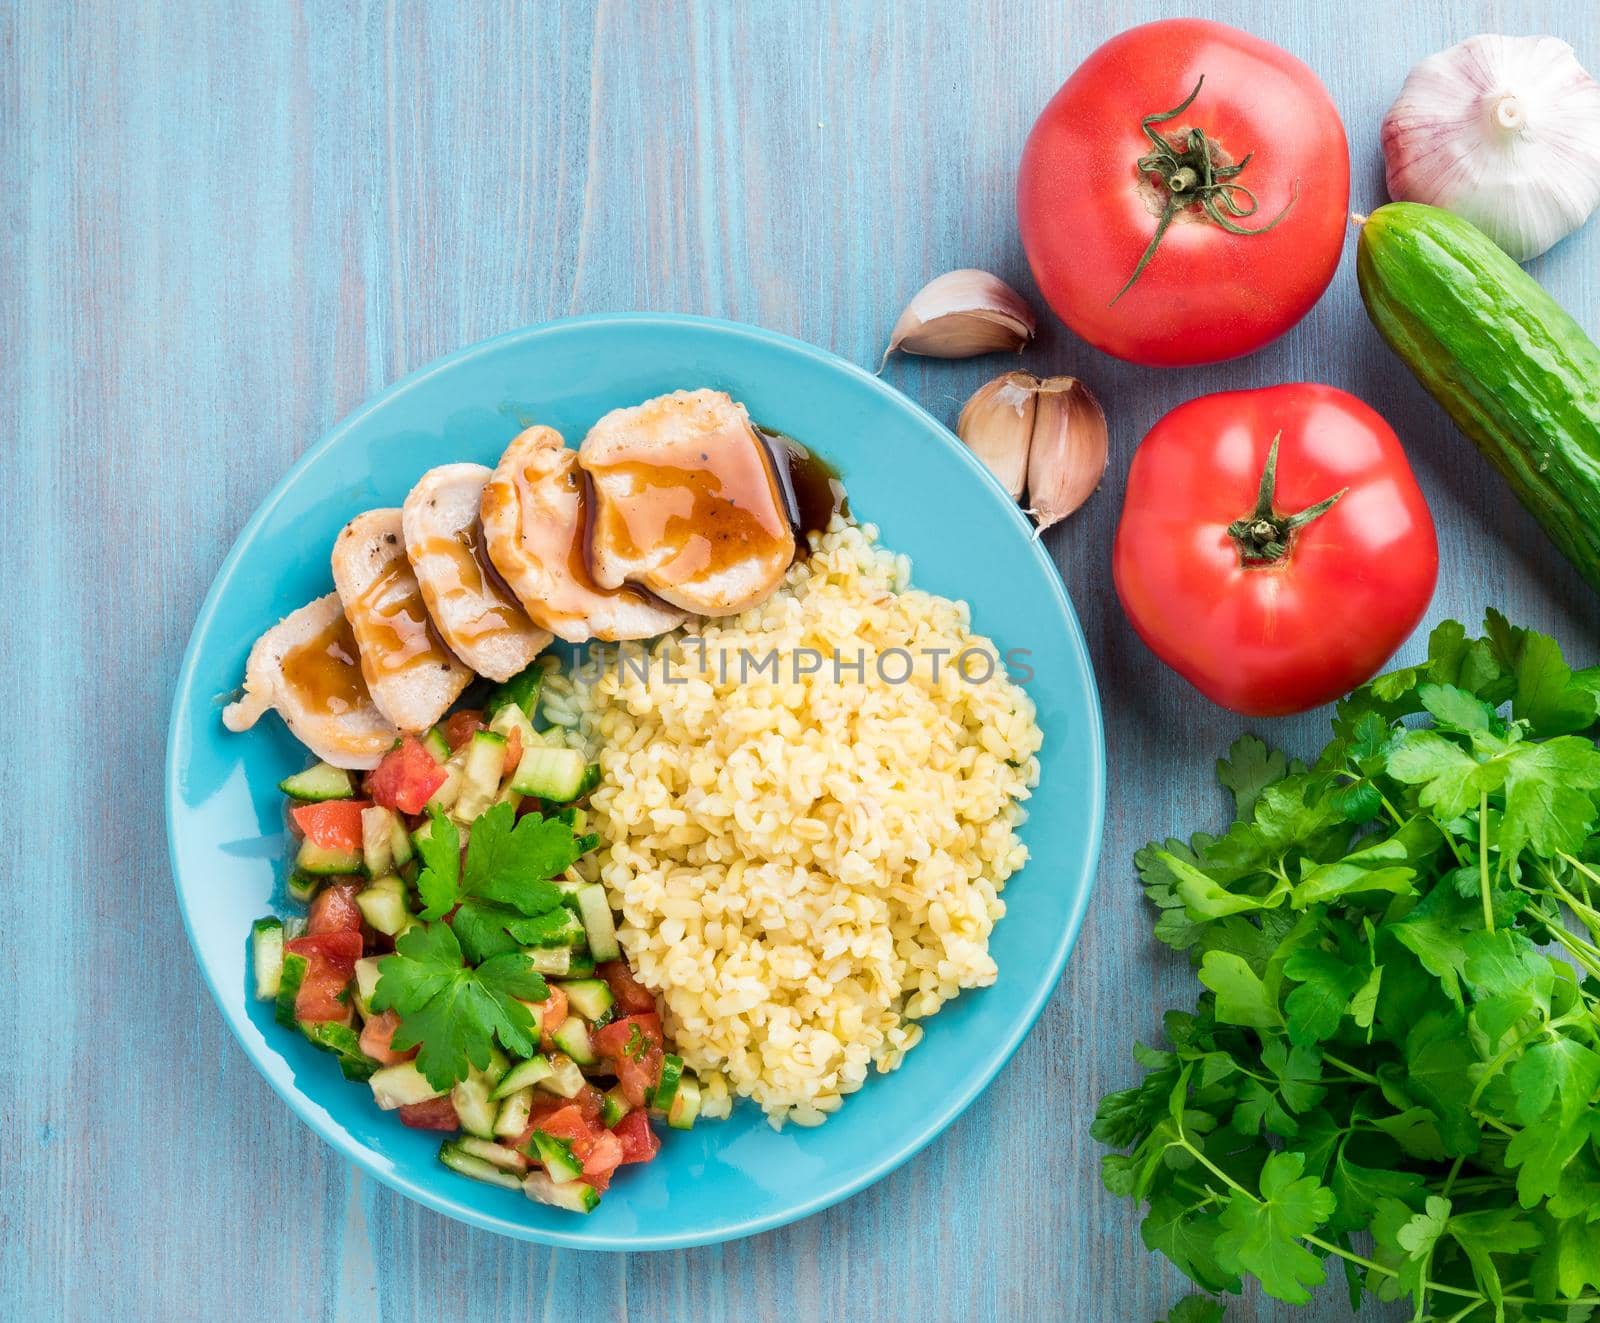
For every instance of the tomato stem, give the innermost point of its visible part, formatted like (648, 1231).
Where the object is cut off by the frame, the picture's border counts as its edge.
(1263, 536)
(1189, 172)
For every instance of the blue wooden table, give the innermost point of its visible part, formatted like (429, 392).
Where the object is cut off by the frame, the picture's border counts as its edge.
(226, 225)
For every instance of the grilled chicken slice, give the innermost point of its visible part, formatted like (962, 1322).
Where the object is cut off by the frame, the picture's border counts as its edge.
(533, 525)
(476, 614)
(413, 677)
(687, 503)
(306, 668)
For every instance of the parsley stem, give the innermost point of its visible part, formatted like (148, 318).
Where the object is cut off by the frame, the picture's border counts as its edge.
(1483, 860)
(1349, 1069)
(1506, 1053)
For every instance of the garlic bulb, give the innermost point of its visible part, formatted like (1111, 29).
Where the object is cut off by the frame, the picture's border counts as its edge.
(1504, 131)
(1047, 438)
(961, 314)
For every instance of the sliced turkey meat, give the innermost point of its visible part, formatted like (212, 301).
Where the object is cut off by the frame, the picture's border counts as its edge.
(307, 669)
(412, 675)
(687, 503)
(476, 614)
(534, 517)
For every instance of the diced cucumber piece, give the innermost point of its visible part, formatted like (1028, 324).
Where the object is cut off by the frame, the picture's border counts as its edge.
(613, 1106)
(436, 744)
(508, 1159)
(454, 1156)
(444, 798)
(521, 689)
(573, 1196)
(573, 1039)
(590, 782)
(595, 911)
(661, 1098)
(377, 839)
(266, 956)
(401, 1085)
(473, 1108)
(383, 904)
(400, 841)
(340, 1039)
(556, 1156)
(320, 861)
(580, 819)
(303, 888)
(685, 1104)
(588, 841)
(521, 1076)
(556, 961)
(581, 964)
(509, 796)
(564, 1079)
(554, 774)
(318, 783)
(294, 926)
(589, 997)
(557, 927)
(367, 974)
(289, 981)
(512, 1119)
(480, 777)
(510, 718)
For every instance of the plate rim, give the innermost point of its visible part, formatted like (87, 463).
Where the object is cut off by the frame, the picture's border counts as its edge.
(182, 716)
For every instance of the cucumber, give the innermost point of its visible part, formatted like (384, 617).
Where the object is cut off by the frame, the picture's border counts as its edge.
(401, 1085)
(377, 839)
(458, 1159)
(572, 1037)
(581, 963)
(400, 841)
(510, 718)
(512, 1118)
(565, 1079)
(521, 1076)
(591, 780)
(340, 1039)
(685, 1104)
(595, 910)
(521, 689)
(1508, 364)
(572, 1196)
(555, 961)
(289, 981)
(480, 776)
(553, 928)
(505, 1158)
(613, 1107)
(444, 798)
(665, 1093)
(472, 1099)
(556, 1156)
(554, 774)
(589, 997)
(302, 887)
(383, 905)
(319, 861)
(367, 975)
(266, 956)
(318, 783)
(436, 744)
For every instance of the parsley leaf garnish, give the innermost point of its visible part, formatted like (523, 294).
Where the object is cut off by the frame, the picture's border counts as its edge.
(440, 851)
(1394, 1056)
(453, 1012)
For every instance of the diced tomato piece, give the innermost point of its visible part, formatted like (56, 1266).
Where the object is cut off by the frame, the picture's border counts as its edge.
(376, 1036)
(549, 1013)
(632, 998)
(330, 964)
(636, 1058)
(566, 1121)
(334, 825)
(605, 1157)
(589, 1100)
(460, 727)
(600, 1183)
(639, 1142)
(406, 778)
(334, 911)
(435, 1114)
(513, 752)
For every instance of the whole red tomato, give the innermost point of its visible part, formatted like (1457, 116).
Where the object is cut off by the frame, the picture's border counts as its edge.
(1274, 548)
(1232, 192)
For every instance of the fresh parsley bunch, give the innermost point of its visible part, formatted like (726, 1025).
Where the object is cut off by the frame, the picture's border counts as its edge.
(1396, 1057)
(459, 985)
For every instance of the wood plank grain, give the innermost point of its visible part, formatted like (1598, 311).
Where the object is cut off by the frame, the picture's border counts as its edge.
(224, 227)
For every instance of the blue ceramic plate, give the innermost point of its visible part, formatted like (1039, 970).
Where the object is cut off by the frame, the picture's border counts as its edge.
(904, 472)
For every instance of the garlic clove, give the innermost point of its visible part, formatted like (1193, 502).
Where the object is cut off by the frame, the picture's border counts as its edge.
(1068, 451)
(996, 424)
(1504, 131)
(962, 314)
